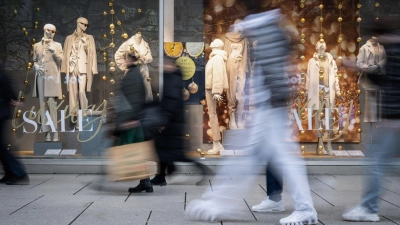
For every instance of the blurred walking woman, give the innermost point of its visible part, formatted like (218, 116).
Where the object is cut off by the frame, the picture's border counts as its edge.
(131, 103)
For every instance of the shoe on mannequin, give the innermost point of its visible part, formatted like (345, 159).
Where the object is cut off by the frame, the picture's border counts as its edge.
(55, 137)
(48, 137)
(329, 148)
(232, 121)
(321, 143)
(217, 146)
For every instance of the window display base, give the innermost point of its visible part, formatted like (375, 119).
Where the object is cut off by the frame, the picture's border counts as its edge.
(40, 148)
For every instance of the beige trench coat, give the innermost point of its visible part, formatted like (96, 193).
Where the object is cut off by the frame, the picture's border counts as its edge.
(51, 64)
(366, 57)
(91, 64)
(312, 81)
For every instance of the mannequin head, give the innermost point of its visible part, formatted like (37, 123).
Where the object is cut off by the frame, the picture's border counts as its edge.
(237, 27)
(49, 31)
(374, 40)
(320, 47)
(217, 44)
(81, 24)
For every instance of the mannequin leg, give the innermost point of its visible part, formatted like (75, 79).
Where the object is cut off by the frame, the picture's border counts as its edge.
(318, 125)
(43, 107)
(329, 149)
(53, 113)
(231, 70)
(240, 96)
(73, 93)
(82, 93)
(212, 113)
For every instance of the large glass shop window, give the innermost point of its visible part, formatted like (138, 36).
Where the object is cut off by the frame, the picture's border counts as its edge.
(67, 61)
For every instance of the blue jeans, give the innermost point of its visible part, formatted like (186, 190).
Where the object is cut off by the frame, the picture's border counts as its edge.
(273, 182)
(384, 147)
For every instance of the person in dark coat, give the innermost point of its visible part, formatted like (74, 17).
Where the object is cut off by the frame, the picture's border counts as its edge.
(14, 171)
(170, 141)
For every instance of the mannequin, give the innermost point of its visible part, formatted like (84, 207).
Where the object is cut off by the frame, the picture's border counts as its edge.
(79, 65)
(236, 46)
(47, 59)
(321, 85)
(371, 59)
(136, 43)
(216, 82)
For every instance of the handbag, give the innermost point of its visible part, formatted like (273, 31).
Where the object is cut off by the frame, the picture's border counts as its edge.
(132, 161)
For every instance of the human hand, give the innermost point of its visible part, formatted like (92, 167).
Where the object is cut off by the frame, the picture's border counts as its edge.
(238, 57)
(217, 97)
(36, 66)
(372, 68)
(51, 48)
(16, 103)
(161, 129)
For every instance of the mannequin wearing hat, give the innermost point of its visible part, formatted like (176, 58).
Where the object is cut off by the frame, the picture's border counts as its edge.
(138, 44)
(47, 59)
(237, 65)
(216, 83)
(79, 65)
(322, 85)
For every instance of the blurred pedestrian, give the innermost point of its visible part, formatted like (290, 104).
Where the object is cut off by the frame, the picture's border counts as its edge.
(267, 141)
(170, 141)
(14, 171)
(385, 140)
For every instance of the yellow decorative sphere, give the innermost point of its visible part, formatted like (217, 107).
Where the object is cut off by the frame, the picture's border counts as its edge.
(340, 148)
(302, 57)
(139, 10)
(302, 40)
(63, 97)
(359, 19)
(119, 23)
(104, 54)
(193, 88)
(122, 11)
(302, 20)
(112, 93)
(377, 18)
(339, 40)
(321, 36)
(112, 45)
(358, 112)
(358, 39)
(359, 91)
(36, 23)
(148, 79)
(112, 81)
(105, 59)
(302, 93)
(340, 132)
(321, 92)
(33, 40)
(37, 9)
(321, 72)
(14, 130)
(321, 19)
(322, 114)
(25, 82)
(105, 13)
(340, 58)
(321, 77)
(112, 26)
(29, 64)
(112, 12)
(23, 29)
(339, 75)
(302, 35)
(340, 19)
(340, 6)
(22, 98)
(125, 35)
(302, 132)
(358, 5)
(359, 130)
(302, 5)
(321, 40)
(377, 4)
(112, 69)
(320, 147)
(302, 147)
(321, 6)
(112, 64)
(110, 4)
(104, 78)
(104, 36)
(36, 27)
(15, 12)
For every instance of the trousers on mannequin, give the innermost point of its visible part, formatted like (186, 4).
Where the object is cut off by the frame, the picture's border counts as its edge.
(77, 93)
(51, 106)
(235, 93)
(212, 113)
(328, 150)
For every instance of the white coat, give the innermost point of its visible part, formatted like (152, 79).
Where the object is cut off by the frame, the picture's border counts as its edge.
(312, 81)
(366, 57)
(216, 76)
(50, 63)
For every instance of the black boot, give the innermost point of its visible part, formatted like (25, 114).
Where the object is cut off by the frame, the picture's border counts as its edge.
(159, 180)
(144, 185)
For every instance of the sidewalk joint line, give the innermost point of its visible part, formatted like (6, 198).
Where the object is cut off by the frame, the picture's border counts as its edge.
(81, 213)
(26, 204)
(322, 198)
(321, 222)
(128, 197)
(262, 188)
(82, 188)
(390, 191)
(148, 217)
(184, 204)
(250, 210)
(41, 183)
(211, 186)
(389, 202)
(390, 220)
(325, 183)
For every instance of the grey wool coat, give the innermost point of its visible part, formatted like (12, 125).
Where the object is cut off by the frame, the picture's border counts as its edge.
(50, 63)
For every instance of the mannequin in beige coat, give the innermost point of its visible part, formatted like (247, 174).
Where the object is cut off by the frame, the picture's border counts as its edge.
(79, 65)
(371, 59)
(47, 58)
(216, 83)
(136, 43)
(322, 85)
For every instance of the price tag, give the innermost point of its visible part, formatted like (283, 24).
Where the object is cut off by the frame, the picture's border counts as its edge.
(53, 152)
(68, 152)
(356, 153)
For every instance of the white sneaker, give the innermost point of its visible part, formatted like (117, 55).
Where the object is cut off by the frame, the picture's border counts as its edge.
(301, 217)
(48, 137)
(361, 214)
(267, 205)
(215, 151)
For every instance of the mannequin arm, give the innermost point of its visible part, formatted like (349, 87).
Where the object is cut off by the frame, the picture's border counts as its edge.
(217, 97)
(360, 60)
(337, 87)
(58, 53)
(308, 76)
(120, 56)
(147, 58)
(382, 63)
(217, 77)
(92, 53)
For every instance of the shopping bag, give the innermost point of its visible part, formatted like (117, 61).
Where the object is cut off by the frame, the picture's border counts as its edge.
(132, 161)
